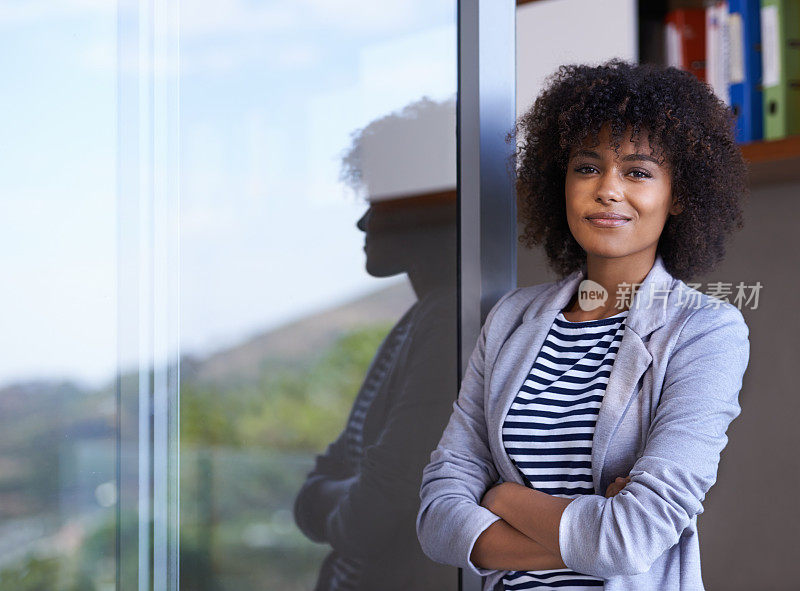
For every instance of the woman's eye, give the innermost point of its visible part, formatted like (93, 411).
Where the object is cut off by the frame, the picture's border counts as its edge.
(639, 174)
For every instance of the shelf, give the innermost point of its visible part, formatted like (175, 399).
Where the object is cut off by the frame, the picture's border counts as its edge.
(773, 161)
(772, 150)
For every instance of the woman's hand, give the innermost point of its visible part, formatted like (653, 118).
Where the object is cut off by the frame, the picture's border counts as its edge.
(616, 486)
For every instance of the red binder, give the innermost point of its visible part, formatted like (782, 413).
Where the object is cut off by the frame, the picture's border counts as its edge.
(686, 40)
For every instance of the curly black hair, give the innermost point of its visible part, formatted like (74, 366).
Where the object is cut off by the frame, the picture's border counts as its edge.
(687, 124)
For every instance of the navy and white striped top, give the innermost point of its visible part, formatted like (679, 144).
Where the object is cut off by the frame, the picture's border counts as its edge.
(549, 427)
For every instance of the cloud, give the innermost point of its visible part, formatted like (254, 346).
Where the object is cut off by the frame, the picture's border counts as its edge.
(18, 12)
(221, 17)
(364, 16)
(236, 54)
(235, 17)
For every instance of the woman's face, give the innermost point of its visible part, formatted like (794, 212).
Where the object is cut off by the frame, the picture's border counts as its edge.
(402, 234)
(383, 241)
(630, 184)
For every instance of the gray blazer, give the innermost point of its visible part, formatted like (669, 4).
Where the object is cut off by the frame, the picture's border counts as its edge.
(672, 392)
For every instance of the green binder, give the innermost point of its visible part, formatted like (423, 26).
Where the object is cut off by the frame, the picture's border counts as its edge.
(780, 43)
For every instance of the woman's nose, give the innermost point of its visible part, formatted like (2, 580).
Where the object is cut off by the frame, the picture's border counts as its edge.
(608, 188)
(361, 224)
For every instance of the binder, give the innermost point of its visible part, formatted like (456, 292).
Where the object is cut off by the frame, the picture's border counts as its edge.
(717, 49)
(744, 35)
(780, 41)
(685, 30)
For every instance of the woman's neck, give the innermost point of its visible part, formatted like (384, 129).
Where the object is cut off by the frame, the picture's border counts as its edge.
(617, 276)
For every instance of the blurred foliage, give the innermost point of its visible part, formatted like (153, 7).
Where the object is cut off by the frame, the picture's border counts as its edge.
(300, 408)
(245, 450)
(40, 574)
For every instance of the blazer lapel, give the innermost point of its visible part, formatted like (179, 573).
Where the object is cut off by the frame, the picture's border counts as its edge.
(518, 353)
(632, 361)
(514, 362)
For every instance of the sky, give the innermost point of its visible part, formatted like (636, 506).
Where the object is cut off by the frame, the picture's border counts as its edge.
(269, 95)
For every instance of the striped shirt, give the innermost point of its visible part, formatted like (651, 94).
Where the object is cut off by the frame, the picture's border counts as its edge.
(549, 427)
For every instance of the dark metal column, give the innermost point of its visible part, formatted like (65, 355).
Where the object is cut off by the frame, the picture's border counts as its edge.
(487, 202)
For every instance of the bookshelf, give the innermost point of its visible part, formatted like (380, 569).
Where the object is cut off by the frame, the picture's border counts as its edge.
(770, 161)
(775, 161)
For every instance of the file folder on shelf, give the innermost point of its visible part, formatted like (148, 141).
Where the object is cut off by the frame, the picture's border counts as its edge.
(686, 40)
(717, 49)
(780, 43)
(744, 35)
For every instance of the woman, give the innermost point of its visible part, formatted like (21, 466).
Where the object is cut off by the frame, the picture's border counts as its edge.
(588, 431)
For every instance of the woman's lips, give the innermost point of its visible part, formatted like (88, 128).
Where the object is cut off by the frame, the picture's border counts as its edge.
(607, 222)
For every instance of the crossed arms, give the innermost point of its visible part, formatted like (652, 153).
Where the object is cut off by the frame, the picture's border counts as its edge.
(526, 535)
(604, 537)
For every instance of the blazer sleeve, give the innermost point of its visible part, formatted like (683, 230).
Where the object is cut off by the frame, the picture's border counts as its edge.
(460, 471)
(625, 534)
(326, 484)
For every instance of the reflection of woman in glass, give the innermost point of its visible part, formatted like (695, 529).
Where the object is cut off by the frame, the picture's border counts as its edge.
(588, 430)
(363, 495)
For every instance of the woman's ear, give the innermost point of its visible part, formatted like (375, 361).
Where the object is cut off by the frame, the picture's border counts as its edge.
(676, 207)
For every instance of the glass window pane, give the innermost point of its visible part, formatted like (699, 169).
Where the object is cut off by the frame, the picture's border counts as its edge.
(58, 330)
(318, 289)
